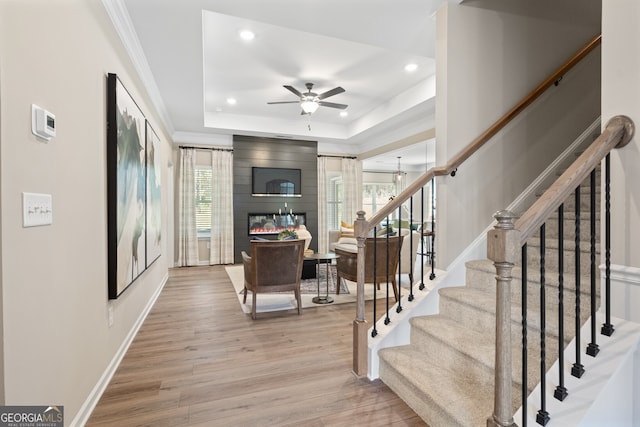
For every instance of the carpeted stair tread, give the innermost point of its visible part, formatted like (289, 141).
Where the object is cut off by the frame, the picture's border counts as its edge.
(440, 337)
(450, 399)
(486, 266)
(459, 348)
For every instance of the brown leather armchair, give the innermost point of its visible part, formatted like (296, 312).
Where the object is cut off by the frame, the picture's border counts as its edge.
(347, 263)
(274, 266)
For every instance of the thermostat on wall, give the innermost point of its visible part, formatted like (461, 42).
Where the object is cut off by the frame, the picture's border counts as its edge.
(43, 123)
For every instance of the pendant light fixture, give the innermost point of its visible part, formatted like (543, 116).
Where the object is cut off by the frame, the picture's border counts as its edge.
(399, 177)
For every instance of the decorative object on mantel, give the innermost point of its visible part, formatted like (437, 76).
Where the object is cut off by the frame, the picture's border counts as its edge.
(287, 234)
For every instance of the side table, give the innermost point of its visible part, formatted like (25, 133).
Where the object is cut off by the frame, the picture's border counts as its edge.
(326, 258)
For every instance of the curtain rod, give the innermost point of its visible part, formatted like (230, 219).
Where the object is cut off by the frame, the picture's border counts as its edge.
(207, 148)
(337, 157)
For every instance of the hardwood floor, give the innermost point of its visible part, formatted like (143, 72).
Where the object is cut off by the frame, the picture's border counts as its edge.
(198, 360)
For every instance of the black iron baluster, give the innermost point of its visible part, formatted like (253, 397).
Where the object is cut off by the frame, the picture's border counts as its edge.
(387, 320)
(592, 348)
(607, 327)
(399, 306)
(433, 229)
(422, 254)
(561, 391)
(410, 252)
(577, 370)
(374, 331)
(543, 416)
(525, 391)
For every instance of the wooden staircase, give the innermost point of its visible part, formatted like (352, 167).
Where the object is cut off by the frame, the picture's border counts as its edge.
(446, 373)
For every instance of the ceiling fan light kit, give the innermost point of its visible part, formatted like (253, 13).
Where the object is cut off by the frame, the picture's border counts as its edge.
(309, 106)
(310, 101)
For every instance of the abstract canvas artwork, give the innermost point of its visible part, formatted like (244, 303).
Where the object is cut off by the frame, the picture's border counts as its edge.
(153, 228)
(126, 188)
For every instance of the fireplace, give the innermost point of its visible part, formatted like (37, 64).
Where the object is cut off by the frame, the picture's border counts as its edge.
(261, 224)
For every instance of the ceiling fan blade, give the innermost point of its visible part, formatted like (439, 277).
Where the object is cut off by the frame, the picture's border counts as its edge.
(284, 102)
(331, 92)
(293, 90)
(333, 105)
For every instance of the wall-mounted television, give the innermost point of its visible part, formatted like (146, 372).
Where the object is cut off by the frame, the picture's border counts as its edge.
(276, 182)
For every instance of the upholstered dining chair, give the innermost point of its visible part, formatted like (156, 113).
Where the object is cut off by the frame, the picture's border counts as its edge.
(274, 266)
(347, 263)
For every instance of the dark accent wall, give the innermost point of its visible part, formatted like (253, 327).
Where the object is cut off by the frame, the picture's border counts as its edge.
(249, 151)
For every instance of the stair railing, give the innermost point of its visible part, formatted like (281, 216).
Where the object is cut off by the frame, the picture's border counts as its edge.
(362, 226)
(507, 245)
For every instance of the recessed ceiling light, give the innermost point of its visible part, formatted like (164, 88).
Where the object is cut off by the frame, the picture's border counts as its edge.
(410, 67)
(247, 35)
(344, 113)
(231, 101)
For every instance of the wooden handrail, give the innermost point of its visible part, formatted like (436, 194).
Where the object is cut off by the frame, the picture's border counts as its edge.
(363, 226)
(475, 145)
(524, 103)
(617, 133)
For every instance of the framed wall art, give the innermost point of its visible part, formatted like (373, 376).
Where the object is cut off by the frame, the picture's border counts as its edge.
(154, 206)
(126, 188)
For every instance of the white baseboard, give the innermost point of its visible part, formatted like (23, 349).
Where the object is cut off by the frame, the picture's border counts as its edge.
(90, 403)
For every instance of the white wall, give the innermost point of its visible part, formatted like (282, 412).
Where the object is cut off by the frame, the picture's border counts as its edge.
(488, 60)
(56, 339)
(621, 95)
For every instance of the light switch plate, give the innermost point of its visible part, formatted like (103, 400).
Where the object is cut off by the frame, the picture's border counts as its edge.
(37, 209)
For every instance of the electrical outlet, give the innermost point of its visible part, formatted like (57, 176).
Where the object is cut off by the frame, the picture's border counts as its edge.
(37, 209)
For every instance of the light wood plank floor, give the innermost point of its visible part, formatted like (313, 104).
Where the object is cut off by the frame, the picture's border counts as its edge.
(198, 360)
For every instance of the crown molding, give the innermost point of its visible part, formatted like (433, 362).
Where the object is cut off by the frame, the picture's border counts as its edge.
(204, 139)
(117, 11)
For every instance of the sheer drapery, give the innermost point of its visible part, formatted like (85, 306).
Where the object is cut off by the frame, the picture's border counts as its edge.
(187, 234)
(323, 233)
(352, 182)
(221, 240)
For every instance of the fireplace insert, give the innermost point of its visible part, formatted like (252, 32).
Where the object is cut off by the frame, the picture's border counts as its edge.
(272, 224)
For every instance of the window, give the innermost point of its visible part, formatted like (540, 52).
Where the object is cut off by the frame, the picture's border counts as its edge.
(334, 202)
(203, 186)
(375, 196)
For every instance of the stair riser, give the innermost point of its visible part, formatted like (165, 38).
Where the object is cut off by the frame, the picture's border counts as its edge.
(449, 356)
(480, 279)
(552, 263)
(417, 400)
(585, 202)
(482, 319)
(569, 232)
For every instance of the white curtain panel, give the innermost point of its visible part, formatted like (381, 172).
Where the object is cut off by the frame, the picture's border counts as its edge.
(352, 182)
(323, 233)
(221, 240)
(187, 235)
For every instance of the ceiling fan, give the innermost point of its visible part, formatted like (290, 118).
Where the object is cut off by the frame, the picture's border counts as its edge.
(310, 101)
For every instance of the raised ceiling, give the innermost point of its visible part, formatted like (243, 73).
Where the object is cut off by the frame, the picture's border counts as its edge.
(192, 60)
